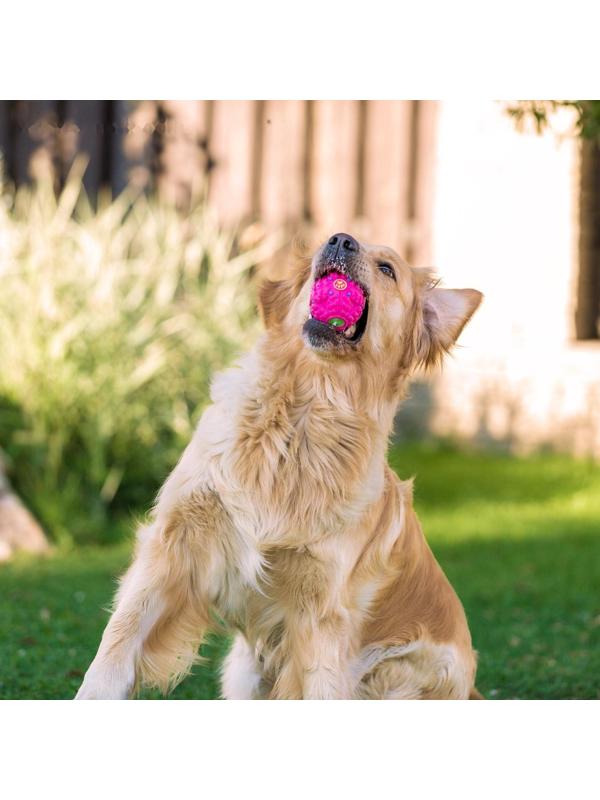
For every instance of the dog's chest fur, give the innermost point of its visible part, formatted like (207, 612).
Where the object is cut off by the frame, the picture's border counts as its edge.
(300, 462)
(298, 471)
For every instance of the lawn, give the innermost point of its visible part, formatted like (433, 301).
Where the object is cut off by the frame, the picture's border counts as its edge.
(518, 538)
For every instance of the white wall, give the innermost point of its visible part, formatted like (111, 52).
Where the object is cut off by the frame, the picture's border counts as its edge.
(505, 222)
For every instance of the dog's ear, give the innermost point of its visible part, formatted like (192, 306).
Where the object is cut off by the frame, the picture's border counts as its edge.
(445, 314)
(276, 297)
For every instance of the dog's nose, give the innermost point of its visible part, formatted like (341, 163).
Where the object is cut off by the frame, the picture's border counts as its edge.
(341, 243)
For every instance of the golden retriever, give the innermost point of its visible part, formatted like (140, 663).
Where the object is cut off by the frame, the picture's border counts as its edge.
(283, 519)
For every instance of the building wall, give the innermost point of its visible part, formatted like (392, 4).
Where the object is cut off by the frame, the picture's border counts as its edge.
(505, 222)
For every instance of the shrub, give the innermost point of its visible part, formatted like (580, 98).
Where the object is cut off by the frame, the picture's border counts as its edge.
(111, 323)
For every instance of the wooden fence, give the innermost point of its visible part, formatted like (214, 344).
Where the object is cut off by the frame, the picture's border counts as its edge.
(308, 166)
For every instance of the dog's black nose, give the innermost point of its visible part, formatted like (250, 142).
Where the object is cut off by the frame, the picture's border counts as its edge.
(341, 243)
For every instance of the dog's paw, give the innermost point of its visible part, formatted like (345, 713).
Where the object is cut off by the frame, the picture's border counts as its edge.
(106, 684)
(88, 692)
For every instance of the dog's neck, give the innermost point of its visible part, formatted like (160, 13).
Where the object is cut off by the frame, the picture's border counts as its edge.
(312, 435)
(309, 384)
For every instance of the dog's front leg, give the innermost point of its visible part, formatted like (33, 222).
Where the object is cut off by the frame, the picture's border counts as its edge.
(112, 673)
(317, 638)
(326, 674)
(318, 666)
(162, 607)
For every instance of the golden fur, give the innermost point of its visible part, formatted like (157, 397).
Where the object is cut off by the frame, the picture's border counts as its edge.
(283, 520)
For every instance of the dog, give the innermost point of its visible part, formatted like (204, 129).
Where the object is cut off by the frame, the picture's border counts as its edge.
(283, 520)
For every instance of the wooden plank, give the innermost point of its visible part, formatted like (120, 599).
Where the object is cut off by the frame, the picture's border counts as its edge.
(119, 164)
(5, 139)
(387, 163)
(231, 147)
(424, 153)
(36, 139)
(587, 310)
(334, 165)
(183, 157)
(84, 131)
(283, 160)
(132, 146)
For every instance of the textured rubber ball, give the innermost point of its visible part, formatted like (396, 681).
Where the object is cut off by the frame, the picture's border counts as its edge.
(337, 301)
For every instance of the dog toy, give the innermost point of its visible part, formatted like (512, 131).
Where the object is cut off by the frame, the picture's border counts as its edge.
(337, 301)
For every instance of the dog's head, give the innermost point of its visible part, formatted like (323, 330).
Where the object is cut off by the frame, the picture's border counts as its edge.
(406, 320)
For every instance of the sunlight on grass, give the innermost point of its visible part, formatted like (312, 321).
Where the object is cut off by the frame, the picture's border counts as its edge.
(485, 496)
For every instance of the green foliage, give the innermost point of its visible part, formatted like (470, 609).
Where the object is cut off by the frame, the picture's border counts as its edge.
(111, 324)
(541, 112)
(518, 538)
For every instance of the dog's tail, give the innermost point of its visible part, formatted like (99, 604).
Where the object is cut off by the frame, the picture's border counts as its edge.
(475, 695)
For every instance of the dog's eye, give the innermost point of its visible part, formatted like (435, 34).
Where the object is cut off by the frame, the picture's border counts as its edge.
(388, 270)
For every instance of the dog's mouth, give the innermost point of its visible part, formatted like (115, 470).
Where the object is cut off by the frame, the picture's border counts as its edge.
(339, 310)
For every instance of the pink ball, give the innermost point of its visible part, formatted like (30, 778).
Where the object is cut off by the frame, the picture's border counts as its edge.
(337, 301)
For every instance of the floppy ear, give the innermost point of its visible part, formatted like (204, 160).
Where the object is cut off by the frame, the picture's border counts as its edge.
(445, 314)
(276, 297)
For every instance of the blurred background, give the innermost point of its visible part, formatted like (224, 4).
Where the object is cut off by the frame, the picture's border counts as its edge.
(131, 236)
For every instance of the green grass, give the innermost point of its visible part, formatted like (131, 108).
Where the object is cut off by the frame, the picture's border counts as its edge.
(518, 538)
